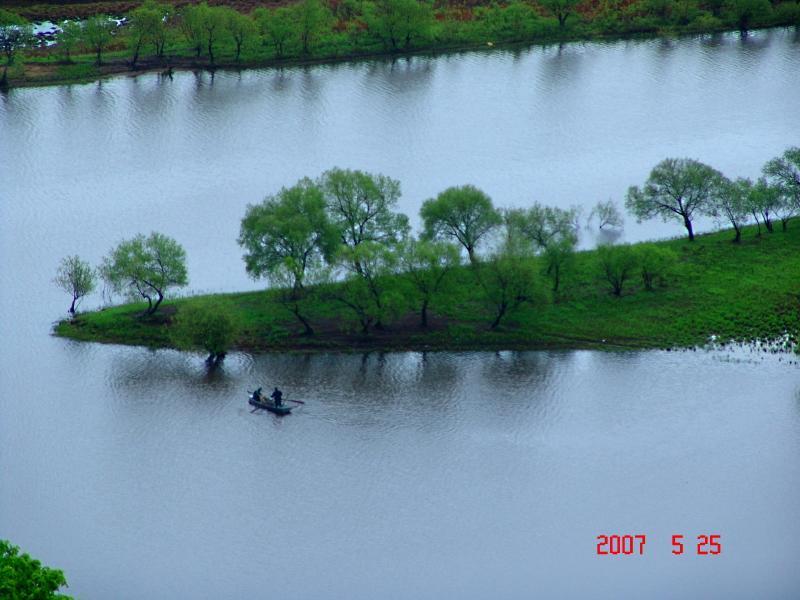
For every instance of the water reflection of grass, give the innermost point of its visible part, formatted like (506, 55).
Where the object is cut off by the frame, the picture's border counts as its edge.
(739, 292)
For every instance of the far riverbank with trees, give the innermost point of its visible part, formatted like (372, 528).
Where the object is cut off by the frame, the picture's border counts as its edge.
(154, 36)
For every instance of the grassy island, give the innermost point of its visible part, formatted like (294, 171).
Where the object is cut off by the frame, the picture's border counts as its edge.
(744, 292)
(187, 35)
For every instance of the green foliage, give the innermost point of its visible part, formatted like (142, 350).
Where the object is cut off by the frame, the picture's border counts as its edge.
(783, 172)
(544, 225)
(704, 22)
(617, 265)
(77, 278)
(25, 578)
(366, 289)
(732, 204)
(515, 21)
(209, 326)
(147, 27)
(560, 9)
(655, 264)
(763, 200)
(277, 27)
(15, 34)
(146, 267)
(676, 189)
(464, 213)
(607, 215)
(361, 207)
(68, 39)
(746, 13)
(400, 24)
(241, 28)
(98, 31)
(311, 18)
(508, 278)
(427, 264)
(553, 233)
(736, 291)
(288, 236)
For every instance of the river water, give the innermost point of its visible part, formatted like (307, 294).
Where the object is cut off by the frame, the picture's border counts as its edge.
(405, 475)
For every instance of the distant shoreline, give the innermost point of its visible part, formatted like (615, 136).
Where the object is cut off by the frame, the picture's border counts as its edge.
(83, 69)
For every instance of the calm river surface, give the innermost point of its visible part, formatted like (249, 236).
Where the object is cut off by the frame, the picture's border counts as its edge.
(477, 475)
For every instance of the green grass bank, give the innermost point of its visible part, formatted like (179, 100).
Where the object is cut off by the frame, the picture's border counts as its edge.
(743, 292)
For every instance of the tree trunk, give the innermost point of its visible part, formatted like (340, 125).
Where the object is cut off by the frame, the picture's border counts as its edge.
(158, 302)
(500, 313)
(308, 329)
(687, 222)
(424, 314)
(99, 56)
(72, 306)
(784, 224)
(738, 237)
(471, 254)
(238, 50)
(210, 52)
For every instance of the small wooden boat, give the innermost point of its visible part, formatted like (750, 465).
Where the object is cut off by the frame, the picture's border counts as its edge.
(270, 406)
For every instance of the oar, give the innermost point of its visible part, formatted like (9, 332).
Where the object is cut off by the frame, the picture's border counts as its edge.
(293, 400)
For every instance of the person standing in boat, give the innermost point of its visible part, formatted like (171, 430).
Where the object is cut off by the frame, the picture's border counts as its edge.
(257, 395)
(277, 396)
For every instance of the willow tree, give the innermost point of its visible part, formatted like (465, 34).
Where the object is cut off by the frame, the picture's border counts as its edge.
(98, 31)
(287, 239)
(361, 206)
(733, 205)
(560, 9)
(508, 277)
(552, 231)
(146, 268)
(77, 278)
(783, 172)
(677, 188)
(426, 265)
(15, 34)
(465, 214)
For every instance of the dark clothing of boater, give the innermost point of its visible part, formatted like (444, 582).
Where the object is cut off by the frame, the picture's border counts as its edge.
(257, 395)
(277, 395)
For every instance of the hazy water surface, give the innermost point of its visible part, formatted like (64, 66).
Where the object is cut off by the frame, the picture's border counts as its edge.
(477, 475)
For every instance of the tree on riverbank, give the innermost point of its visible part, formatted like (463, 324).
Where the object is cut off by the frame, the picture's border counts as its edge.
(98, 32)
(560, 9)
(288, 238)
(146, 268)
(783, 172)
(743, 13)
(465, 214)
(77, 278)
(508, 278)
(400, 23)
(617, 264)
(361, 207)
(427, 265)
(15, 34)
(25, 578)
(733, 205)
(552, 231)
(677, 188)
